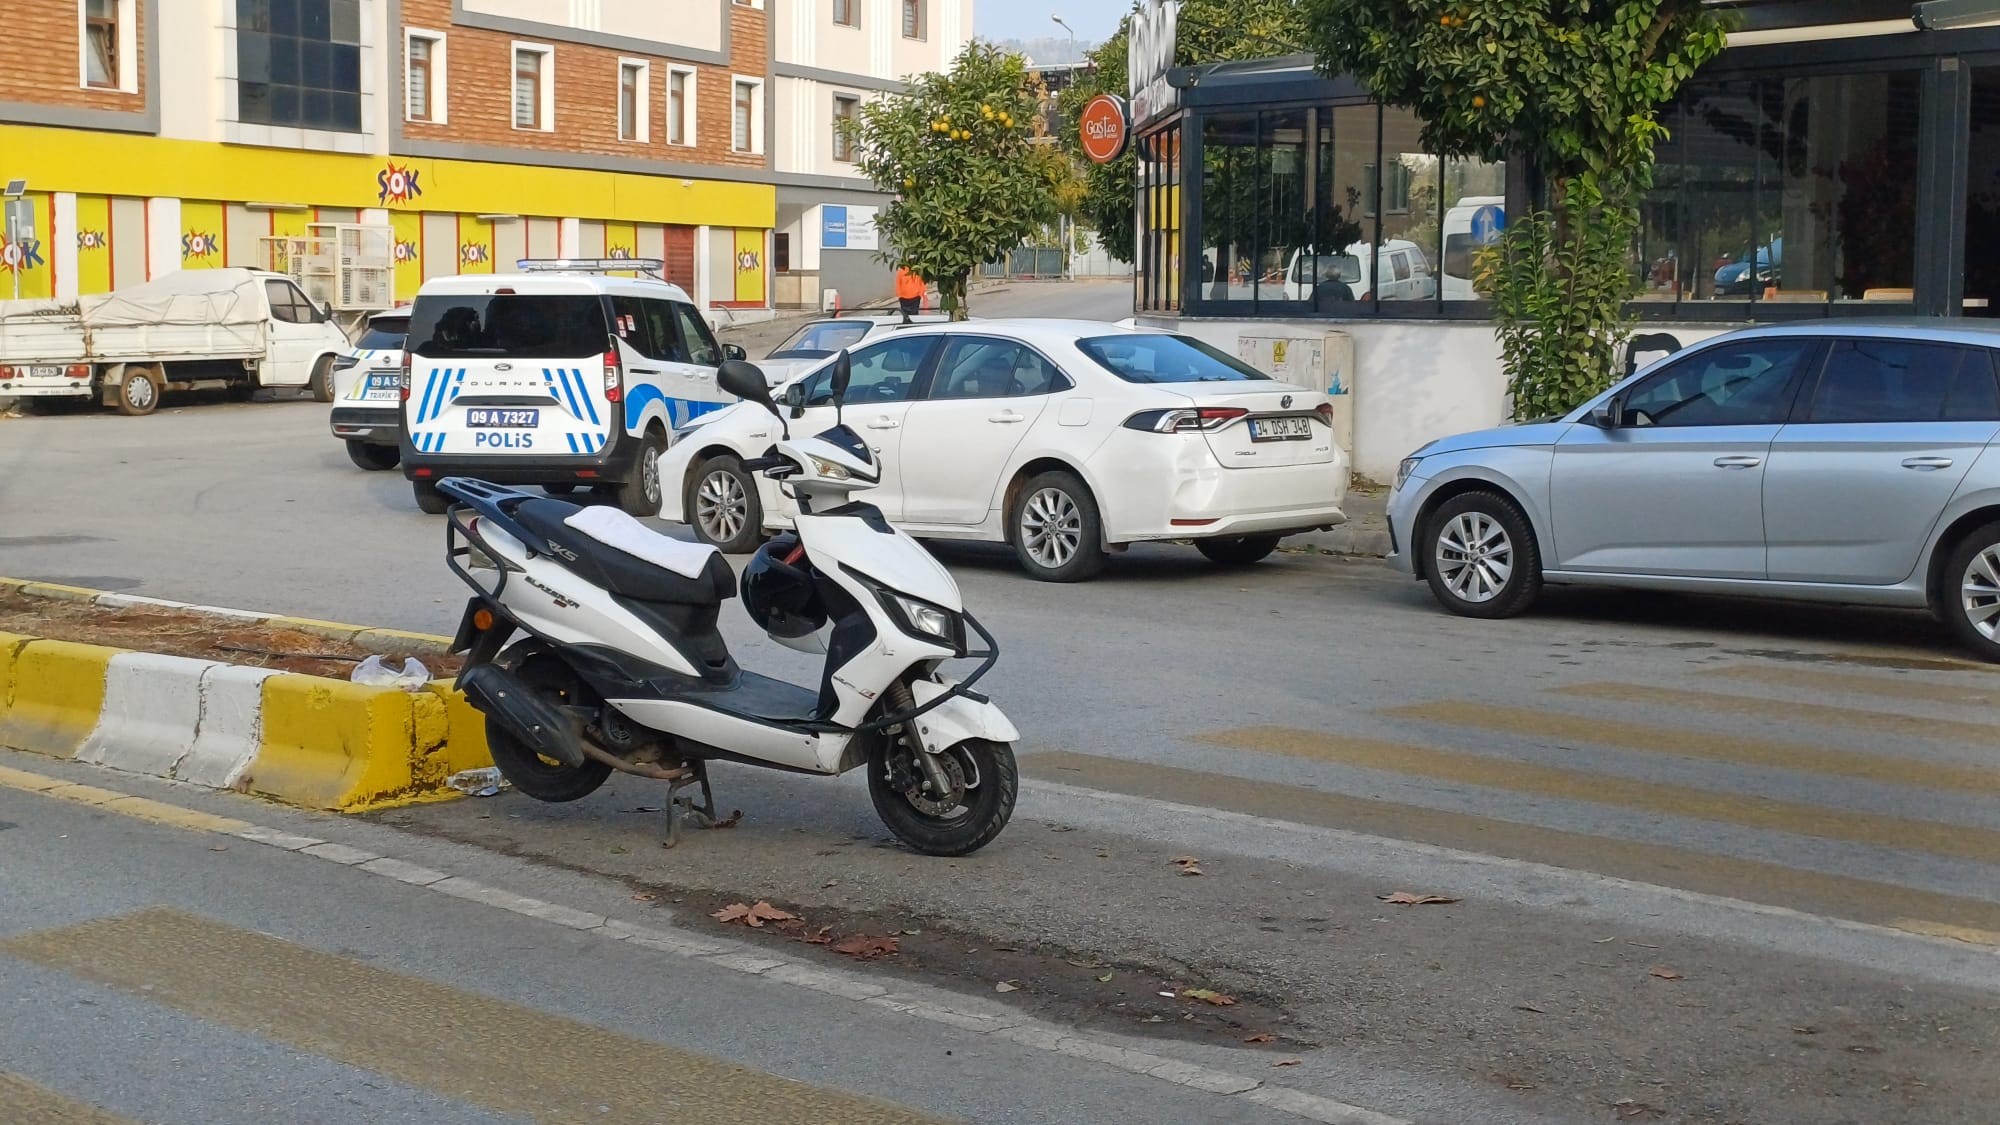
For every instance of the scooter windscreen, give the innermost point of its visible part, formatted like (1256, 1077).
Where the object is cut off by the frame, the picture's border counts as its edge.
(847, 441)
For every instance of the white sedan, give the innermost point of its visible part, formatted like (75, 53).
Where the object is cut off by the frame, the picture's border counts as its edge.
(1066, 439)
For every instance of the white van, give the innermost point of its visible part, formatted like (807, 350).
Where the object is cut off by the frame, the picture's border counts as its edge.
(561, 375)
(1462, 244)
(1349, 275)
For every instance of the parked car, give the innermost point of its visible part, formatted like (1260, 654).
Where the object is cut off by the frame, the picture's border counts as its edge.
(817, 339)
(1838, 461)
(1351, 274)
(231, 329)
(568, 374)
(367, 381)
(1066, 439)
(1738, 279)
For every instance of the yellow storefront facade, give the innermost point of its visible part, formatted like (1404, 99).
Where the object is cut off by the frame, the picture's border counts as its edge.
(113, 209)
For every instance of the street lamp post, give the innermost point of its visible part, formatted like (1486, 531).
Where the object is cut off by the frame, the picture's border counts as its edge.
(1075, 60)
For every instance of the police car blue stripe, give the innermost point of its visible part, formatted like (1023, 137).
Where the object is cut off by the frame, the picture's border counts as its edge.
(568, 396)
(572, 443)
(432, 384)
(587, 404)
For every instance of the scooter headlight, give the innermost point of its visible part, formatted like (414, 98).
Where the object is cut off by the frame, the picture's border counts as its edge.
(831, 470)
(928, 618)
(919, 618)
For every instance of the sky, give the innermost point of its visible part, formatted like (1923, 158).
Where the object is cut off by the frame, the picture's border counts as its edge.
(1094, 20)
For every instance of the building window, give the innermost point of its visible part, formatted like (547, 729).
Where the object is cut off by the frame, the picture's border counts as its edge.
(424, 67)
(847, 13)
(534, 88)
(298, 64)
(1785, 192)
(913, 19)
(746, 116)
(633, 78)
(844, 110)
(680, 107)
(105, 24)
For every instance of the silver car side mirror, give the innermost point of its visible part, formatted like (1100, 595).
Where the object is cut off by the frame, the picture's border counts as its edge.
(1609, 414)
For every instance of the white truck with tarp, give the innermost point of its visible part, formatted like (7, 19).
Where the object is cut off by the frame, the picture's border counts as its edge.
(238, 330)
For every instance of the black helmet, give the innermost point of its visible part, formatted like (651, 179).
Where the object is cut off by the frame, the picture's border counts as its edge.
(782, 597)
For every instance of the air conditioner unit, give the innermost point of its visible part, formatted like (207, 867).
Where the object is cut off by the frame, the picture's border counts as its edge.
(1319, 361)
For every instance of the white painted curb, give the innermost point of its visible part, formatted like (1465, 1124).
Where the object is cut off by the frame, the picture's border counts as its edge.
(152, 710)
(231, 727)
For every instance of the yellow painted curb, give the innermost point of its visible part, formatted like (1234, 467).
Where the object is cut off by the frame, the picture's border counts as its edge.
(328, 744)
(60, 593)
(400, 643)
(55, 692)
(465, 731)
(332, 630)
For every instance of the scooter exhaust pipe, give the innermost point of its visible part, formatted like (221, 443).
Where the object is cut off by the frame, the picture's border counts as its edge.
(539, 725)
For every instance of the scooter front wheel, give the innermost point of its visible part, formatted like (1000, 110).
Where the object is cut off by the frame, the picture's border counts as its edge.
(984, 782)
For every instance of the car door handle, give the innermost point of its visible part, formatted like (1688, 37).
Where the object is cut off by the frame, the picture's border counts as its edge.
(884, 424)
(1007, 416)
(644, 370)
(1738, 462)
(1927, 463)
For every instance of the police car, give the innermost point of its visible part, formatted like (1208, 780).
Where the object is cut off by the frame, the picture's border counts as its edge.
(565, 375)
(366, 391)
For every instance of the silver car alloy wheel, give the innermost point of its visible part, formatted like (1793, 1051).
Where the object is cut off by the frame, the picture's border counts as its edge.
(649, 475)
(1979, 593)
(1051, 527)
(720, 506)
(1475, 556)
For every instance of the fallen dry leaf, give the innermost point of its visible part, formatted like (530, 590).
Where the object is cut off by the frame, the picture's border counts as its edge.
(821, 936)
(866, 947)
(1216, 998)
(1665, 973)
(644, 896)
(1288, 1062)
(1260, 1037)
(1405, 898)
(1006, 986)
(752, 916)
(1189, 865)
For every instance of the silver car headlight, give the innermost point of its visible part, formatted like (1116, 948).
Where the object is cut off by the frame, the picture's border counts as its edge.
(1404, 470)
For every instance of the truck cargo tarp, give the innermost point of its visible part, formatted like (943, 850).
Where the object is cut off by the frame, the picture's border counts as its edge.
(223, 298)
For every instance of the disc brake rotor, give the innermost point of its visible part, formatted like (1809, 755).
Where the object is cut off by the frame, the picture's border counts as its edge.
(931, 804)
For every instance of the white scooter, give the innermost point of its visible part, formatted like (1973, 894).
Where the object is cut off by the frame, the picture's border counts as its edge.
(621, 666)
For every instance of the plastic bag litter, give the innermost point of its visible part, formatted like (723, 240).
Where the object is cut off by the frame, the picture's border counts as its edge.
(479, 783)
(376, 672)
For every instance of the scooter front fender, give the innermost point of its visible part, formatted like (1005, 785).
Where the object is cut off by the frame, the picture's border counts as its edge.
(958, 718)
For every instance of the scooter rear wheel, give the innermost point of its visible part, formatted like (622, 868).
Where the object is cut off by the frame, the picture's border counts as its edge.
(542, 778)
(985, 782)
(539, 777)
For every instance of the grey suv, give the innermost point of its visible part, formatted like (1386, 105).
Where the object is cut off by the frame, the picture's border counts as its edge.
(1840, 461)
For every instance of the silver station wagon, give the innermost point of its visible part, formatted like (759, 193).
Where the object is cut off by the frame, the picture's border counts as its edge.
(1838, 461)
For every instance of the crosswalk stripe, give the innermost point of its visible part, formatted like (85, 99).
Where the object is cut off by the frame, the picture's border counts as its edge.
(1984, 693)
(1585, 730)
(1956, 841)
(1840, 896)
(458, 1044)
(25, 1103)
(1854, 718)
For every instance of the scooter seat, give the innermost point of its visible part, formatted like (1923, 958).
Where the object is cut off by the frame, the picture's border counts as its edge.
(625, 557)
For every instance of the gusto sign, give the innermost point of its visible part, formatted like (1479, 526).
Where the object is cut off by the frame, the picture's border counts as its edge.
(1149, 55)
(1105, 128)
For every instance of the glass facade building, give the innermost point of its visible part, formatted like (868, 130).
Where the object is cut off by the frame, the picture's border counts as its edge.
(1808, 173)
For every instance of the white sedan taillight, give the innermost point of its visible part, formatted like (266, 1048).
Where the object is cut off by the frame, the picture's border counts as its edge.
(1188, 420)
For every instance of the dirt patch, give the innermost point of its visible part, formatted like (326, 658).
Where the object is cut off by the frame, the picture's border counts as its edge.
(181, 633)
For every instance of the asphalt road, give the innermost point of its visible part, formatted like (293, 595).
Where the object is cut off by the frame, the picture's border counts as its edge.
(1715, 860)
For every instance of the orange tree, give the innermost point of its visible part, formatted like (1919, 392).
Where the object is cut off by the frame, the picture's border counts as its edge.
(1575, 87)
(954, 150)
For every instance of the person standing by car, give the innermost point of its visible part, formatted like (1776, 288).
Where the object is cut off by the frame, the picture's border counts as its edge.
(909, 293)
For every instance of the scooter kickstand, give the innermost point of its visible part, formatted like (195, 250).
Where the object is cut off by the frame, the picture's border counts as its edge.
(680, 808)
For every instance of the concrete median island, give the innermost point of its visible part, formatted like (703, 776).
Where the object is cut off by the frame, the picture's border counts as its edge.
(228, 699)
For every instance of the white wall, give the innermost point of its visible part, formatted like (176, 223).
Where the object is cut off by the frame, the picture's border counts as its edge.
(681, 23)
(1415, 381)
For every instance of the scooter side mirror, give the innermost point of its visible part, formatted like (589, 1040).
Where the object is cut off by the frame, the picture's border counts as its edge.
(843, 372)
(743, 379)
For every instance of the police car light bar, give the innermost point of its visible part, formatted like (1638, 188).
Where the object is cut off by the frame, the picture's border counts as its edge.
(592, 265)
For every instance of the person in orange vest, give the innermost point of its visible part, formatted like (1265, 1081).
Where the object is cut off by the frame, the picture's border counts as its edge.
(909, 293)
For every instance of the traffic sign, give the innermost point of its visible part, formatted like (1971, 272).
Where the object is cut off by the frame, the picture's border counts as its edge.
(1487, 223)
